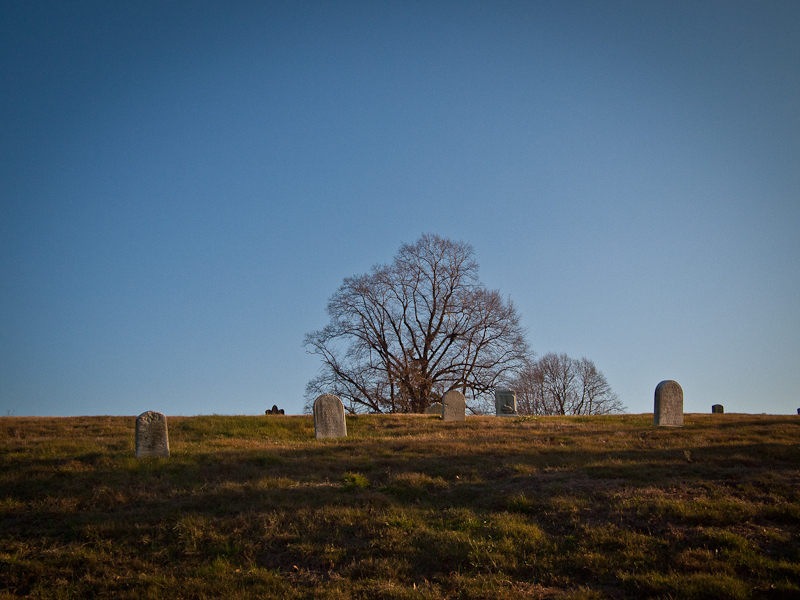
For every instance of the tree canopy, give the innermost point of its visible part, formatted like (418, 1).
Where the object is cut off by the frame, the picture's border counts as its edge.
(555, 384)
(405, 333)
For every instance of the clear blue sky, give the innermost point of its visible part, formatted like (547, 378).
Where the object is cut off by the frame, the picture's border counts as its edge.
(184, 184)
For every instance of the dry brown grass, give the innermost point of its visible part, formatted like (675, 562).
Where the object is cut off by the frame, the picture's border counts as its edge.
(405, 507)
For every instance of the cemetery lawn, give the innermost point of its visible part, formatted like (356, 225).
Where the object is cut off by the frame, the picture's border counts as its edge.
(405, 507)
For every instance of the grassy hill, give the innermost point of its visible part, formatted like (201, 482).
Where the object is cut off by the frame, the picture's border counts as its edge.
(405, 507)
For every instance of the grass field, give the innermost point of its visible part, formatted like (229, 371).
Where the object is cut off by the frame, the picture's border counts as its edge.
(405, 507)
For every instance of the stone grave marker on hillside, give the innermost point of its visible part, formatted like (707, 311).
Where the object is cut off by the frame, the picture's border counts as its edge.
(505, 402)
(329, 420)
(668, 405)
(717, 409)
(435, 409)
(274, 410)
(454, 406)
(151, 435)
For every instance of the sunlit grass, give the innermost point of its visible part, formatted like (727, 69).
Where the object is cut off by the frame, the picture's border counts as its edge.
(404, 507)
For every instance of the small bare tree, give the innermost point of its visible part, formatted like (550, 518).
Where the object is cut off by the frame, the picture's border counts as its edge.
(406, 333)
(556, 384)
(529, 386)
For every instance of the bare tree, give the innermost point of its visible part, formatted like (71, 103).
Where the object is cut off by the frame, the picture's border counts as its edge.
(596, 395)
(529, 386)
(556, 384)
(558, 376)
(405, 333)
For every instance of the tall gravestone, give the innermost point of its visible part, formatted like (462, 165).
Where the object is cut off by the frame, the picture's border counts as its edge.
(668, 405)
(454, 406)
(505, 403)
(717, 409)
(435, 409)
(329, 420)
(151, 435)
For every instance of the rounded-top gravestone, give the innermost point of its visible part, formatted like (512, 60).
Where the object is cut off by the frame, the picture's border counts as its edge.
(454, 406)
(668, 404)
(329, 419)
(151, 435)
(505, 403)
(717, 409)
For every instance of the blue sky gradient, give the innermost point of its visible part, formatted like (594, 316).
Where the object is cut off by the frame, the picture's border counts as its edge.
(183, 185)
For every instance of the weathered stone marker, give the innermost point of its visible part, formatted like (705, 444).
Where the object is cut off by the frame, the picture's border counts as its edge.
(454, 406)
(505, 403)
(668, 409)
(274, 410)
(435, 409)
(329, 420)
(717, 409)
(151, 435)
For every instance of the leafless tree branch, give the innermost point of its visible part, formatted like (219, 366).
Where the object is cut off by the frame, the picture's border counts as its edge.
(405, 333)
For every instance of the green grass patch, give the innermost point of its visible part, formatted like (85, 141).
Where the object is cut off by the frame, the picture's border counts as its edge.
(355, 480)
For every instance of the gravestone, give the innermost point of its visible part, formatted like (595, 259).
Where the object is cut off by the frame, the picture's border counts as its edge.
(717, 409)
(274, 410)
(505, 403)
(329, 421)
(151, 435)
(435, 409)
(454, 406)
(668, 405)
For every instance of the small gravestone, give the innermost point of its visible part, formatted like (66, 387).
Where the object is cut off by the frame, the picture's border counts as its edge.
(151, 435)
(668, 405)
(505, 403)
(435, 409)
(717, 409)
(274, 410)
(454, 406)
(329, 421)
